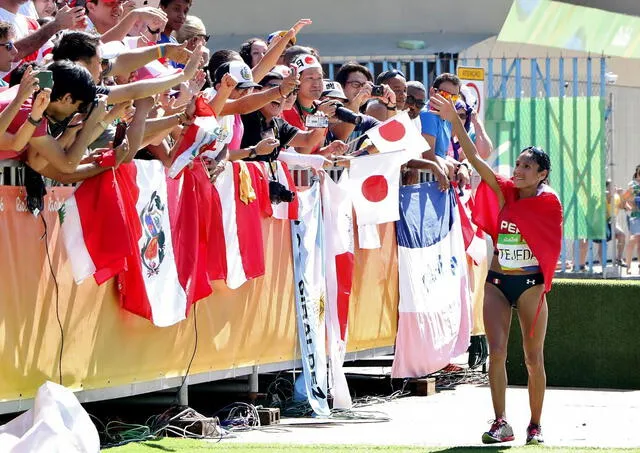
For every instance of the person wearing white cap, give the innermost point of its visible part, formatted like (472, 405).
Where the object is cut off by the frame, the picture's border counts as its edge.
(311, 87)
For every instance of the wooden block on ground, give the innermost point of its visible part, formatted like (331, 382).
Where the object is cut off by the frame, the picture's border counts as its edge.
(269, 416)
(424, 386)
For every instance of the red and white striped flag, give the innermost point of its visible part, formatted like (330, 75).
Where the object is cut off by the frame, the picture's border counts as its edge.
(339, 262)
(241, 220)
(199, 137)
(95, 230)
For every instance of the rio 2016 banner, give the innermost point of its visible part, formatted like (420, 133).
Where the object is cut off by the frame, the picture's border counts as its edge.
(310, 291)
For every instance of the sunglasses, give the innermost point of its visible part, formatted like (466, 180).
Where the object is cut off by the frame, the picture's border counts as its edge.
(153, 32)
(417, 102)
(447, 95)
(8, 45)
(205, 37)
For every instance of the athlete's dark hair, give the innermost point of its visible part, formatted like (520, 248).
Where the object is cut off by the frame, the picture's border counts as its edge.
(541, 158)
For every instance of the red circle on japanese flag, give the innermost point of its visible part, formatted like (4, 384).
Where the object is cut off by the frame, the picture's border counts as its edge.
(392, 131)
(308, 59)
(375, 188)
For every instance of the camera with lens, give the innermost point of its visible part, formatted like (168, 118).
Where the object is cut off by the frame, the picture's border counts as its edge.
(377, 91)
(347, 116)
(279, 193)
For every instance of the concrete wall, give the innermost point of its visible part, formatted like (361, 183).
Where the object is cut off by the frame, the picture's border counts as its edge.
(351, 16)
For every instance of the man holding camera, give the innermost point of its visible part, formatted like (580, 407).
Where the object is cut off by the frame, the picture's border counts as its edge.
(307, 112)
(267, 123)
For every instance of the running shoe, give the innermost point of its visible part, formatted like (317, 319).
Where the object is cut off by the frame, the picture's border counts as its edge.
(534, 434)
(500, 431)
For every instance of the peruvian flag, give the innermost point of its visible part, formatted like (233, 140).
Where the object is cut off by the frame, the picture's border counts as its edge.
(396, 134)
(199, 137)
(92, 218)
(339, 259)
(375, 183)
(241, 220)
(147, 229)
(166, 274)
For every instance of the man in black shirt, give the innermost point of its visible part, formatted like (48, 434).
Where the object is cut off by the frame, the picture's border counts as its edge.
(266, 123)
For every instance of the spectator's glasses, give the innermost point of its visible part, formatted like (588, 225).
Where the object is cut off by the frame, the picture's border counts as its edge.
(9, 45)
(450, 96)
(153, 32)
(419, 103)
(390, 74)
(204, 37)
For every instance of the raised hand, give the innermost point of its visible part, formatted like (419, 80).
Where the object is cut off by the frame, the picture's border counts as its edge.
(443, 107)
(194, 63)
(28, 85)
(290, 82)
(99, 112)
(177, 52)
(40, 104)
(228, 83)
(300, 25)
(70, 18)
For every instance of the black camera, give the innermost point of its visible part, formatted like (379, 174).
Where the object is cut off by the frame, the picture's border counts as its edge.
(377, 91)
(279, 193)
(347, 116)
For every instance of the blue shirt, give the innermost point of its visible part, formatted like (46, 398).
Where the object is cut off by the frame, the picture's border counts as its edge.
(164, 39)
(433, 125)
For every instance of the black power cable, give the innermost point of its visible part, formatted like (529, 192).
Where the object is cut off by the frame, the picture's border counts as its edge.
(45, 236)
(195, 348)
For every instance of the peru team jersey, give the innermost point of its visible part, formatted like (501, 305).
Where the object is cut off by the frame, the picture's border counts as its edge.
(514, 254)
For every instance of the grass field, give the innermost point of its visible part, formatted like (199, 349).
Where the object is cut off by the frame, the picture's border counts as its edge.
(187, 446)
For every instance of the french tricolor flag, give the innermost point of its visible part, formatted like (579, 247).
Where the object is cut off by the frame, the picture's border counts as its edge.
(434, 322)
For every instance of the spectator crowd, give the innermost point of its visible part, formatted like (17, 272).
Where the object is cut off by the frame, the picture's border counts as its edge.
(89, 85)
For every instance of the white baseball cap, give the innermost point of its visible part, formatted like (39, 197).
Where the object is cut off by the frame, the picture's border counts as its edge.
(239, 70)
(333, 90)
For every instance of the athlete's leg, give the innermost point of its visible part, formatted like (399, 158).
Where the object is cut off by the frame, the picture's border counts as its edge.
(534, 346)
(497, 320)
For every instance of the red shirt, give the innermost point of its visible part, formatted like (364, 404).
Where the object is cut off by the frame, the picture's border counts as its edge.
(6, 96)
(294, 118)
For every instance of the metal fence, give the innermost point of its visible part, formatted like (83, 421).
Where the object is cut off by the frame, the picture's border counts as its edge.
(525, 82)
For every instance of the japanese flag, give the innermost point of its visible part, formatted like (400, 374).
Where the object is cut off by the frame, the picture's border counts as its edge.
(396, 134)
(375, 183)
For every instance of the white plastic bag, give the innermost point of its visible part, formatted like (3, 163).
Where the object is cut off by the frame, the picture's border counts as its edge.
(56, 424)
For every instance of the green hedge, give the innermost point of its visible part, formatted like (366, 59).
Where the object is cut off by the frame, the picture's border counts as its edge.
(593, 336)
